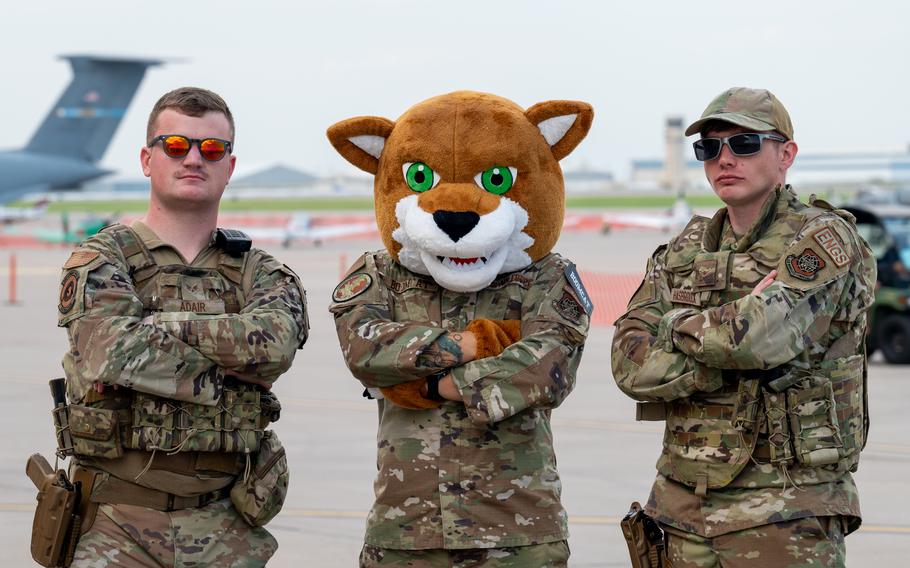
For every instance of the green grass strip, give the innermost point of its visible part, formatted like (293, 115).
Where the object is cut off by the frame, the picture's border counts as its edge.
(701, 200)
(366, 204)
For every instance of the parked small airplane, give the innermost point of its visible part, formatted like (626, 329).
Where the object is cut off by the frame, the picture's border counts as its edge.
(673, 220)
(304, 227)
(10, 215)
(65, 150)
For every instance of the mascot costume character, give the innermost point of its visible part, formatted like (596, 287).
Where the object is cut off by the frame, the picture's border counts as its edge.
(467, 328)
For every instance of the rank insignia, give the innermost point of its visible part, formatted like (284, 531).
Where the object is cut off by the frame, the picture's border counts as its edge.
(351, 287)
(805, 266)
(568, 307)
(706, 272)
(68, 291)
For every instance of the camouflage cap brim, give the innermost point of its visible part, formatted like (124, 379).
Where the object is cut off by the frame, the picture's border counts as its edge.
(733, 118)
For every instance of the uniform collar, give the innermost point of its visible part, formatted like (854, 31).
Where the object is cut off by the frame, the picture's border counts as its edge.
(153, 241)
(148, 236)
(778, 200)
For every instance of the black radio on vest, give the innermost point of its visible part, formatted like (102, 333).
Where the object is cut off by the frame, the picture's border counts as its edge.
(232, 241)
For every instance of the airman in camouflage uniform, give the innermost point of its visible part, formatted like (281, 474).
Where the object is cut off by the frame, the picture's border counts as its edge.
(747, 337)
(471, 482)
(171, 362)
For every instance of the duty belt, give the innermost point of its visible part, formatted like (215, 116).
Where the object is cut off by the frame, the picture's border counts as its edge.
(115, 491)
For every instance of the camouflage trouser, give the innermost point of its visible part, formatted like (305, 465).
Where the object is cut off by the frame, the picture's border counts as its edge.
(550, 555)
(803, 543)
(214, 535)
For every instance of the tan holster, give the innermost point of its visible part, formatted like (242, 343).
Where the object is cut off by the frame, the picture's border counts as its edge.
(63, 514)
(645, 539)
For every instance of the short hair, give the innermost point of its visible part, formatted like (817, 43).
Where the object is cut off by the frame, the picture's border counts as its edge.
(191, 101)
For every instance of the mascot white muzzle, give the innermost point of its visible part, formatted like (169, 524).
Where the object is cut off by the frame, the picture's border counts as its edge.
(462, 251)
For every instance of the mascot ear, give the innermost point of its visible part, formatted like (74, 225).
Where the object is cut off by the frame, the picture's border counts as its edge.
(361, 139)
(563, 124)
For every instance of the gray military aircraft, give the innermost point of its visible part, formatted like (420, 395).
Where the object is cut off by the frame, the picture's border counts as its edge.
(65, 150)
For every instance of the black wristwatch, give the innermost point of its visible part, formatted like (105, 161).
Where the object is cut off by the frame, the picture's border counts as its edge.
(433, 386)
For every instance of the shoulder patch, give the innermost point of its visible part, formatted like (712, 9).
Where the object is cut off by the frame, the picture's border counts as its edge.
(805, 266)
(832, 246)
(575, 280)
(568, 308)
(351, 287)
(68, 288)
(80, 257)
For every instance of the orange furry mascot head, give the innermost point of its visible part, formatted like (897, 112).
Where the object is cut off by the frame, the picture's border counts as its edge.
(468, 185)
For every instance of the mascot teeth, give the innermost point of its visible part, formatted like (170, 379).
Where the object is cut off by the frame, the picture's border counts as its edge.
(494, 245)
(455, 262)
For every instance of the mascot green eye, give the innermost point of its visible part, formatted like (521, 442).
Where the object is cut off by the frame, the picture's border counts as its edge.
(496, 180)
(419, 176)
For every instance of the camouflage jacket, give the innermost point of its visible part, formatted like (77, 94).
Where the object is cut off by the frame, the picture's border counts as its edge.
(479, 473)
(696, 342)
(119, 335)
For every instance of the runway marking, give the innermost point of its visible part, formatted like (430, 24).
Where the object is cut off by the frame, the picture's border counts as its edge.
(573, 519)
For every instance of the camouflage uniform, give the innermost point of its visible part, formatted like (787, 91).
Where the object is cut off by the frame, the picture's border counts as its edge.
(549, 555)
(763, 396)
(190, 350)
(479, 473)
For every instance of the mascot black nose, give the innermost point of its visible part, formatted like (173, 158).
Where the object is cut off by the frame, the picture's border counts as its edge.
(456, 224)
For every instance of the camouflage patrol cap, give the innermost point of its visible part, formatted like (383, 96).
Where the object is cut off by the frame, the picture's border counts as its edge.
(749, 108)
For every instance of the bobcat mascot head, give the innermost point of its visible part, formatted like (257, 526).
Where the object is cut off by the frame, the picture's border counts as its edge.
(468, 185)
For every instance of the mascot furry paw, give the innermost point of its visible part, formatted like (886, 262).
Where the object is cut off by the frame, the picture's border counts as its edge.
(468, 187)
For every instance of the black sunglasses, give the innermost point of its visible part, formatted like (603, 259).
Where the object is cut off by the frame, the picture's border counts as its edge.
(177, 146)
(743, 144)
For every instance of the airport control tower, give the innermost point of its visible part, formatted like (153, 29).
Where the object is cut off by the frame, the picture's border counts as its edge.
(674, 175)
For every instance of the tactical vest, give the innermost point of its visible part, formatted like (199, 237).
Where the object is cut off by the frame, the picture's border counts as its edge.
(802, 413)
(103, 425)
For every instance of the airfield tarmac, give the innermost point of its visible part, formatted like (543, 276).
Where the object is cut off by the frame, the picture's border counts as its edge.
(606, 459)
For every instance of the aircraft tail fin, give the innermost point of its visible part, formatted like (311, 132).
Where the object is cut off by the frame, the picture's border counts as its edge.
(83, 120)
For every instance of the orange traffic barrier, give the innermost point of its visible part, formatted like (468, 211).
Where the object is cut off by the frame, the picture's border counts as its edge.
(12, 279)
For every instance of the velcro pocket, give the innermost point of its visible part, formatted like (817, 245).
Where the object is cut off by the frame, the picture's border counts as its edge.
(259, 495)
(94, 432)
(648, 292)
(73, 302)
(813, 422)
(846, 377)
(780, 440)
(202, 429)
(154, 423)
(293, 277)
(241, 411)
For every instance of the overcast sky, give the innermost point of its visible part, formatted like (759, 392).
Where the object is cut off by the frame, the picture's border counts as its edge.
(290, 69)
